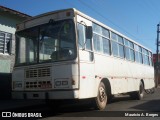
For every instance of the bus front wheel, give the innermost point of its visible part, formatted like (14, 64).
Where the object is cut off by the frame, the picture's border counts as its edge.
(101, 99)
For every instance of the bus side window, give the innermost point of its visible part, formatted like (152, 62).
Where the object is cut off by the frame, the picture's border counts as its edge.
(114, 48)
(81, 35)
(114, 38)
(97, 42)
(83, 42)
(121, 47)
(106, 46)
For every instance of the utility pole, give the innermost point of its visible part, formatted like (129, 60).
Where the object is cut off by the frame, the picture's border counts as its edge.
(157, 63)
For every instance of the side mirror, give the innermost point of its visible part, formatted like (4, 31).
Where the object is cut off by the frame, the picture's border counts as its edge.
(89, 32)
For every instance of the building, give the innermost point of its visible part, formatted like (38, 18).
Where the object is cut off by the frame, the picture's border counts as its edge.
(8, 20)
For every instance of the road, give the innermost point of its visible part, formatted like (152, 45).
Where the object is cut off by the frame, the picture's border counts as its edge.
(117, 108)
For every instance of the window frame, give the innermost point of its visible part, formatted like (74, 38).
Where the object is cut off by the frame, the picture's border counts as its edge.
(85, 40)
(100, 37)
(115, 39)
(129, 45)
(135, 53)
(5, 44)
(146, 56)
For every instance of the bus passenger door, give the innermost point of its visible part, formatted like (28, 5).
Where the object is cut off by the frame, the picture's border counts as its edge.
(86, 61)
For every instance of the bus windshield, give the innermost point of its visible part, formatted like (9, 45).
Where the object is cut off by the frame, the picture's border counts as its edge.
(54, 41)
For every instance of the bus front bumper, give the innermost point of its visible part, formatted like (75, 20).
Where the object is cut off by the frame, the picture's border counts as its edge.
(72, 94)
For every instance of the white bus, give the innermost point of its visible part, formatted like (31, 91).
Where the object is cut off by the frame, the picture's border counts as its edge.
(66, 54)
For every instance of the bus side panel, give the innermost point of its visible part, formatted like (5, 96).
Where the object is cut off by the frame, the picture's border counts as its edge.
(113, 70)
(88, 85)
(124, 76)
(149, 82)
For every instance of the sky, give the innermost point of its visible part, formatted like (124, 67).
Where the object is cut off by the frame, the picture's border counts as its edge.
(137, 19)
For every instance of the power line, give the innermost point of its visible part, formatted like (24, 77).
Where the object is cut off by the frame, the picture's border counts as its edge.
(155, 6)
(97, 12)
(70, 3)
(107, 19)
(152, 9)
(143, 40)
(150, 6)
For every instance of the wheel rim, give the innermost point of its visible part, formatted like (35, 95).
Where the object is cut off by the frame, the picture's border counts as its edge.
(102, 94)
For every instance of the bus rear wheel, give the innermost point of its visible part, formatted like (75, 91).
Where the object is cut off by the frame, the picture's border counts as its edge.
(101, 99)
(141, 91)
(138, 95)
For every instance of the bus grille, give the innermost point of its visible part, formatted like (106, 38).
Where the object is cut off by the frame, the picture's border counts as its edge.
(38, 72)
(39, 84)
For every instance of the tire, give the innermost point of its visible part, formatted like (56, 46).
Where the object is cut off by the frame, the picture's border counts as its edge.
(101, 99)
(152, 90)
(138, 95)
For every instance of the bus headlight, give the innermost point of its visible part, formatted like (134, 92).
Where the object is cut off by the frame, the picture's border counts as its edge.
(58, 83)
(62, 83)
(17, 84)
